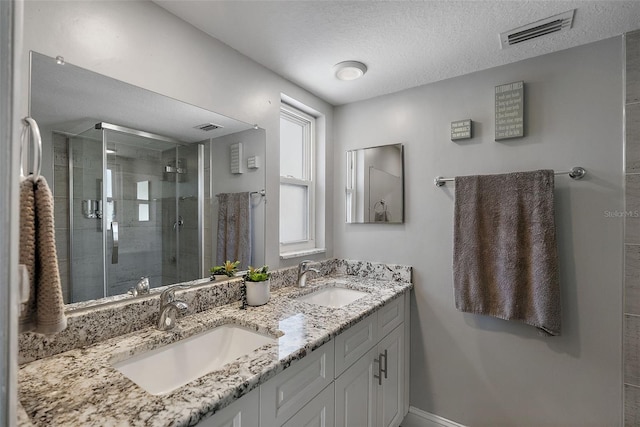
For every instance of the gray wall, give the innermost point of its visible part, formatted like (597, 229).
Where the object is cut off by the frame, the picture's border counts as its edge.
(478, 370)
(632, 233)
(142, 44)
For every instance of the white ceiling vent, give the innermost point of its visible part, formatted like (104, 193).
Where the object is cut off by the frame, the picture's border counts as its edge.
(552, 24)
(207, 127)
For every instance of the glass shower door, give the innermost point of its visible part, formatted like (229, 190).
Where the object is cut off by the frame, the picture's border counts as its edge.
(135, 211)
(190, 194)
(86, 246)
(181, 211)
(135, 191)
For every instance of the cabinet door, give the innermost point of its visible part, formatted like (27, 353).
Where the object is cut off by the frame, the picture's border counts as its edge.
(317, 413)
(285, 394)
(356, 341)
(390, 399)
(244, 412)
(356, 393)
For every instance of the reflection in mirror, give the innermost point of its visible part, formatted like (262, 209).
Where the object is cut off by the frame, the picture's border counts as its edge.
(135, 177)
(375, 185)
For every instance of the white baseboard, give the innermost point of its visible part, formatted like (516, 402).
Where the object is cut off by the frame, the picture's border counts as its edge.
(419, 418)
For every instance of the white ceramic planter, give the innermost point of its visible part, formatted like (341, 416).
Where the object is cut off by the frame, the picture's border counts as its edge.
(258, 293)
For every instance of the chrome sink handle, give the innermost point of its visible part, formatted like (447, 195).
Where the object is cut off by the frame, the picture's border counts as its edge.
(169, 295)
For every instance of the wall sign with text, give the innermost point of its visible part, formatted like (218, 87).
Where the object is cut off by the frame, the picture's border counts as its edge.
(510, 111)
(461, 130)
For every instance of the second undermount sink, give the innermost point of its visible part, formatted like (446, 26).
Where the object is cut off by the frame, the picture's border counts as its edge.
(166, 368)
(333, 297)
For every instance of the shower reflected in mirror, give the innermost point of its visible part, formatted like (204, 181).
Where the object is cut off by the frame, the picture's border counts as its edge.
(135, 176)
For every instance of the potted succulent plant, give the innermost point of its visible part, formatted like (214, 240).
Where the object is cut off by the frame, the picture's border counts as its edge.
(258, 283)
(220, 272)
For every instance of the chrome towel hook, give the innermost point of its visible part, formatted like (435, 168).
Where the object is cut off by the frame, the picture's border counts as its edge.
(31, 128)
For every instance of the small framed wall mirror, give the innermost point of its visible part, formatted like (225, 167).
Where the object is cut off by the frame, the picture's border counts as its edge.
(375, 185)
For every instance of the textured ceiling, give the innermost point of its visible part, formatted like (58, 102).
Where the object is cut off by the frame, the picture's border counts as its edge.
(404, 43)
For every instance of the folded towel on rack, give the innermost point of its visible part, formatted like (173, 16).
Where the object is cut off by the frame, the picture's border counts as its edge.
(44, 310)
(505, 255)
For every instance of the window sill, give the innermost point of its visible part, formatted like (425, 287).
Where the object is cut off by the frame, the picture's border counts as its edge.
(298, 254)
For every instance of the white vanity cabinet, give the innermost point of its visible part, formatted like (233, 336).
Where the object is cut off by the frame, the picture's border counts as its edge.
(372, 391)
(358, 379)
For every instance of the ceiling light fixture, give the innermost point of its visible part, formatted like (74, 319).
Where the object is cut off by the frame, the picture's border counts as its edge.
(349, 70)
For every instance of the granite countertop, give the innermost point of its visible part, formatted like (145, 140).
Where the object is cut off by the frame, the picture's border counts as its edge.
(80, 386)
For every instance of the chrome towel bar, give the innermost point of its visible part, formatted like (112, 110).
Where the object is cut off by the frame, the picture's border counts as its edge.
(576, 172)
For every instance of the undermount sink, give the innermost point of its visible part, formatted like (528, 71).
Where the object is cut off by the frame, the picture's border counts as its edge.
(166, 368)
(333, 297)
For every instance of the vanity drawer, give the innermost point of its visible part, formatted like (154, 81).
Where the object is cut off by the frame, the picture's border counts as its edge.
(390, 316)
(356, 341)
(244, 412)
(285, 394)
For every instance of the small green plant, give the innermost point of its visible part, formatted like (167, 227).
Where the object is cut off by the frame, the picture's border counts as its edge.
(228, 269)
(258, 274)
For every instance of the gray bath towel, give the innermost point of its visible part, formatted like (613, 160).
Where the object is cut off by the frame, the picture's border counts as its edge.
(44, 310)
(505, 256)
(234, 228)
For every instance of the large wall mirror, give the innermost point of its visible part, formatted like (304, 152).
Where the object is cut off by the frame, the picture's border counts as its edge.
(144, 185)
(375, 185)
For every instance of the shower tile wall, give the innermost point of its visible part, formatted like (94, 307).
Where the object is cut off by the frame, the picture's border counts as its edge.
(181, 252)
(189, 239)
(140, 251)
(60, 188)
(85, 247)
(632, 234)
(169, 217)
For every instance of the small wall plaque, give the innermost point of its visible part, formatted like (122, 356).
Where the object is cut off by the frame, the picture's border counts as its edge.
(461, 130)
(510, 111)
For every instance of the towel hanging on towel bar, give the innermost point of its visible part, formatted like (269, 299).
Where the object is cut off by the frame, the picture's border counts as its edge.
(577, 172)
(505, 259)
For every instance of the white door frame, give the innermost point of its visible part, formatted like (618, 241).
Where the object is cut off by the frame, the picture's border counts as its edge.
(11, 18)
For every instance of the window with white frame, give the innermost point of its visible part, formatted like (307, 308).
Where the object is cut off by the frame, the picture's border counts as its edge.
(297, 185)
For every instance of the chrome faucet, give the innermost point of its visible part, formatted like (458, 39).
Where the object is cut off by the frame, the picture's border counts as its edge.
(303, 269)
(170, 308)
(141, 288)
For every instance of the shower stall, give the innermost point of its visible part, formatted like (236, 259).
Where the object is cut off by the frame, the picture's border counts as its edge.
(134, 209)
